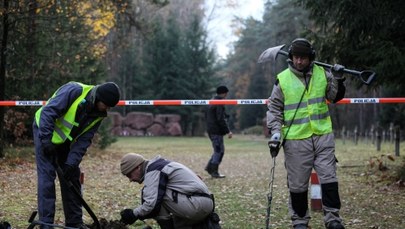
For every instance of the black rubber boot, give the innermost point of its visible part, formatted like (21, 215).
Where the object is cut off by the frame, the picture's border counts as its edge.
(46, 227)
(166, 224)
(300, 226)
(208, 168)
(215, 173)
(78, 226)
(334, 225)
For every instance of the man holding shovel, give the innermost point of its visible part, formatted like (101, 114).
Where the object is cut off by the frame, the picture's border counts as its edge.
(298, 114)
(63, 130)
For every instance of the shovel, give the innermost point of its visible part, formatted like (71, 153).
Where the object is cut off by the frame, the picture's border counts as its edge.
(76, 191)
(270, 54)
(33, 222)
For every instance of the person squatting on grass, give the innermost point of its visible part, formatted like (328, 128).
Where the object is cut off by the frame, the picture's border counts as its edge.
(217, 127)
(298, 113)
(63, 130)
(172, 194)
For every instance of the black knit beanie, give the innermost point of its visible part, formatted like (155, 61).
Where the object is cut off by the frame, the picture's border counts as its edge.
(108, 93)
(222, 90)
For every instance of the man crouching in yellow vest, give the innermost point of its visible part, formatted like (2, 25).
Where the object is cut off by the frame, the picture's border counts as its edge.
(299, 114)
(63, 130)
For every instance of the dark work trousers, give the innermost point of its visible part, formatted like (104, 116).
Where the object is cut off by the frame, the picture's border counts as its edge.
(218, 148)
(46, 172)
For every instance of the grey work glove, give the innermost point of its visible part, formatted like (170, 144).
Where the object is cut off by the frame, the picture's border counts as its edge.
(274, 144)
(337, 71)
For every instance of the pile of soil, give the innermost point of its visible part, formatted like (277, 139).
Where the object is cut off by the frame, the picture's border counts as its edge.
(112, 224)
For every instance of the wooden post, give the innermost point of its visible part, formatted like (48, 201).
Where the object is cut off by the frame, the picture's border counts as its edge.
(343, 134)
(366, 135)
(391, 132)
(397, 140)
(355, 135)
(378, 136)
(372, 134)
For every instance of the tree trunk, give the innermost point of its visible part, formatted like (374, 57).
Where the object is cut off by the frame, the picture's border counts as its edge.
(31, 41)
(3, 48)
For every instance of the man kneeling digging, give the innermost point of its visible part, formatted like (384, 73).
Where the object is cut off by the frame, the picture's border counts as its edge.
(173, 194)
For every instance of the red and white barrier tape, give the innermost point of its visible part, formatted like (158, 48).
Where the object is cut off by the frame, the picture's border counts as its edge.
(205, 102)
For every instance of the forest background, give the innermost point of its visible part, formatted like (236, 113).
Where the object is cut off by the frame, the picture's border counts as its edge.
(159, 49)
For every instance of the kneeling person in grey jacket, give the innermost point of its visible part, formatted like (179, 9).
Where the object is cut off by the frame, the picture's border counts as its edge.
(173, 194)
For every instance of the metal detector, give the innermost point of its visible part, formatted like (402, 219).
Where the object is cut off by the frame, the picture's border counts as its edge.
(270, 54)
(270, 194)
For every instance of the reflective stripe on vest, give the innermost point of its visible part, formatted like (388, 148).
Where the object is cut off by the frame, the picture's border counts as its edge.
(65, 124)
(312, 116)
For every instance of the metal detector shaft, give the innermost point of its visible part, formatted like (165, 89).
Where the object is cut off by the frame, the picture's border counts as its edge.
(366, 76)
(78, 194)
(270, 195)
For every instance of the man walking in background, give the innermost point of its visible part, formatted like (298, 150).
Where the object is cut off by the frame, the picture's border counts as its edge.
(63, 130)
(298, 113)
(217, 127)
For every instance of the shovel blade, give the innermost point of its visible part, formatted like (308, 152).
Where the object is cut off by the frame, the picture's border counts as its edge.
(270, 54)
(367, 77)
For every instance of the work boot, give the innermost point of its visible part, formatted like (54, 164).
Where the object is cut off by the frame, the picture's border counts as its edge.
(166, 224)
(215, 173)
(78, 226)
(300, 226)
(334, 225)
(45, 227)
(208, 168)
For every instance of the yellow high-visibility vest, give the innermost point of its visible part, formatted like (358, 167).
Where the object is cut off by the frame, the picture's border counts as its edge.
(65, 124)
(312, 116)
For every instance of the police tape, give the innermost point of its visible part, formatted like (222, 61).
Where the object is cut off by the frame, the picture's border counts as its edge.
(206, 102)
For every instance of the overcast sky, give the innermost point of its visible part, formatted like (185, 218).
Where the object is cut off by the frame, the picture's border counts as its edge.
(219, 26)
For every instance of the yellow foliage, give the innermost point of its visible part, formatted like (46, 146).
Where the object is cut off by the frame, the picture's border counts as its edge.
(98, 17)
(100, 20)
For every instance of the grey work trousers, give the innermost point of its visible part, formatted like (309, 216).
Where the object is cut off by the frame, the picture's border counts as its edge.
(187, 211)
(301, 156)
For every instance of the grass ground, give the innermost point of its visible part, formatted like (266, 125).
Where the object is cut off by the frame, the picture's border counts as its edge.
(370, 198)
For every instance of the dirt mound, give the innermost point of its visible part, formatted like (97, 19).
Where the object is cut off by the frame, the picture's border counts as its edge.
(112, 224)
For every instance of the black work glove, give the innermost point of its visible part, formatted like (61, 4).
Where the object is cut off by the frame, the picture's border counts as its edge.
(48, 148)
(337, 71)
(68, 171)
(128, 216)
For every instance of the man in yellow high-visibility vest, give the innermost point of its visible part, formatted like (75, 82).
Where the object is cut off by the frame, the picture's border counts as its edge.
(63, 130)
(298, 114)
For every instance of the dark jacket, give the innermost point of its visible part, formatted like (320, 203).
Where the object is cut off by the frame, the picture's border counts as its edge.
(86, 113)
(216, 119)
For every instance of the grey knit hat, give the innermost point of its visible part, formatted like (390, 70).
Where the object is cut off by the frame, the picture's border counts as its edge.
(130, 161)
